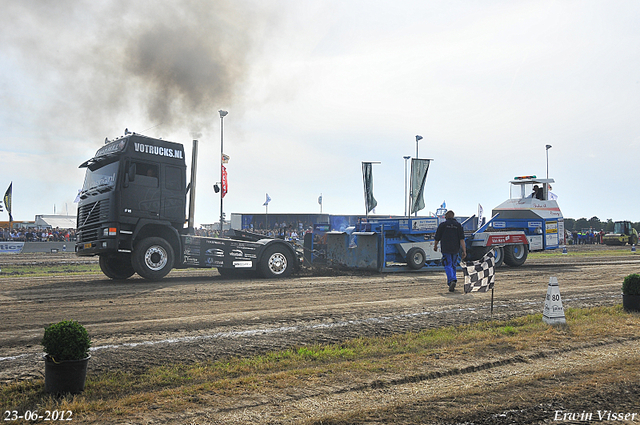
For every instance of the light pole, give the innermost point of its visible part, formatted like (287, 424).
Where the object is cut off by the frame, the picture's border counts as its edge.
(418, 138)
(222, 178)
(548, 147)
(405, 183)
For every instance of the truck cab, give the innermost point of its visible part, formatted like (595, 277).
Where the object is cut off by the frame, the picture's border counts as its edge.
(131, 182)
(131, 213)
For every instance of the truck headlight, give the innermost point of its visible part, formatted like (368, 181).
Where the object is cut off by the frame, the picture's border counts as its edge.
(109, 231)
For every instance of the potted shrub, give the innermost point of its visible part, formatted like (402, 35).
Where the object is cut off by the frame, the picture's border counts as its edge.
(631, 292)
(66, 345)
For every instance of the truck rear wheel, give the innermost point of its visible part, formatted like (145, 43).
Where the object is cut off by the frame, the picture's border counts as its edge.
(117, 267)
(515, 255)
(276, 262)
(416, 258)
(153, 258)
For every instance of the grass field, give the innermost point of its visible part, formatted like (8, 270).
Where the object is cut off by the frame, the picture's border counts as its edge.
(47, 269)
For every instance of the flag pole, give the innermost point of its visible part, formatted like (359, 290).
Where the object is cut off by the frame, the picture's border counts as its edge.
(364, 183)
(491, 302)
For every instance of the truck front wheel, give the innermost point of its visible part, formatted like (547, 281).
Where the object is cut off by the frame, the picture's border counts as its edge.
(276, 262)
(516, 255)
(153, 258)
(117, 267)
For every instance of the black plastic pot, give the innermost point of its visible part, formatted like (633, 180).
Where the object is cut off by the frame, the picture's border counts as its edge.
(631, 302)
(67, 376)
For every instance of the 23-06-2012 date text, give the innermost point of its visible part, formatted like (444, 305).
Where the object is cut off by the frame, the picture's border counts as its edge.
(34, 415)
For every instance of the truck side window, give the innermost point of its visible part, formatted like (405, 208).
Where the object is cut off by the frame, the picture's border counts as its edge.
(146, 174)
(173, 180)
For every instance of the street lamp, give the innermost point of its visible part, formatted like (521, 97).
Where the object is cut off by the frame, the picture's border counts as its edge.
(405, 183)
(222, 179)
(547, 151)
(418, 138)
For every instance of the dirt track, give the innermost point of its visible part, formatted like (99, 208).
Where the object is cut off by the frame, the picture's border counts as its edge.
(191, 316)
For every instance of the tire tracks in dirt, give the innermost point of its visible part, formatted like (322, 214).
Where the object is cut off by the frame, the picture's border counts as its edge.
(190, 306)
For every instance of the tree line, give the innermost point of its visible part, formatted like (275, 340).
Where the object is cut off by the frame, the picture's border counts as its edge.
(594, 223)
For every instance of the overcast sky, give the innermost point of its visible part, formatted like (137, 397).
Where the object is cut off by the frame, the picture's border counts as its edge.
(314, 88)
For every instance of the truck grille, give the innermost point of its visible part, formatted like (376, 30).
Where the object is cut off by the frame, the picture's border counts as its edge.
(90, 219)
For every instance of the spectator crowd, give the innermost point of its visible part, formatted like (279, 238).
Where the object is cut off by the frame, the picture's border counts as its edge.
(290, 232)
(584, 237)
(38, 234)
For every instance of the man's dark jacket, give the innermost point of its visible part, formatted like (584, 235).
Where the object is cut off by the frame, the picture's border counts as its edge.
(449, 235)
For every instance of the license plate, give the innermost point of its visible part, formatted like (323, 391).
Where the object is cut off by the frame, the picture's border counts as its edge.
(87, 246)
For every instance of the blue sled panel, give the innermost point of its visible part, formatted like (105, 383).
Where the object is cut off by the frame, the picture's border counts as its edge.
(358, 250)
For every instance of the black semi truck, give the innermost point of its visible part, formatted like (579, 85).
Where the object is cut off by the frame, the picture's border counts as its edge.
(131, 213)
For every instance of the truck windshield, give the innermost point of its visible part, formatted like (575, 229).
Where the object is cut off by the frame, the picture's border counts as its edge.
(100, 177)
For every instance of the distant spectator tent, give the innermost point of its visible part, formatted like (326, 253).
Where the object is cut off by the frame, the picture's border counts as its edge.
(56, 221)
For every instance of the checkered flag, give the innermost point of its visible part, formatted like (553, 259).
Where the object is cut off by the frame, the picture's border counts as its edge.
(479, 276)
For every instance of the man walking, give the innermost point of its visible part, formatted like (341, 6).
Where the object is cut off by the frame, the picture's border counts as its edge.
(451, 234)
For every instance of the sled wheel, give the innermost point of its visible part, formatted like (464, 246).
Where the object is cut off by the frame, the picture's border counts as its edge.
(416, 258)
(499, 256)
(515, 255)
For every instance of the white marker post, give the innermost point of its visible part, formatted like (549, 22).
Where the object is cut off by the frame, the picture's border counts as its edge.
(553, 311)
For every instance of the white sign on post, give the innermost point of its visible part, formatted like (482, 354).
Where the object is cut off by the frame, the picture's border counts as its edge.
(553, 311)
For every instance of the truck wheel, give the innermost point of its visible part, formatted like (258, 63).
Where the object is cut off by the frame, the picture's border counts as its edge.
(152, 258)
(276, 262)
(515, 255)
(117, 267)
(416, 258)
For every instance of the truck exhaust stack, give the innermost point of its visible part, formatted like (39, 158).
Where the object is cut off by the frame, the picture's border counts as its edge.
(192, 187)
